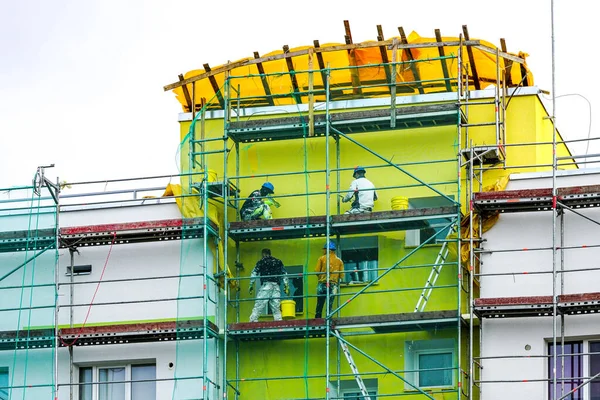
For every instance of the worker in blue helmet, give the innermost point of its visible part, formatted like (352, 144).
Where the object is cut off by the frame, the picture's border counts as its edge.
(336, 274)
(258, 204)
(361, 192)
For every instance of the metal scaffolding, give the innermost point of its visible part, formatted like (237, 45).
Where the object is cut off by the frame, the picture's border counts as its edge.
(555, 200)
(316, 121)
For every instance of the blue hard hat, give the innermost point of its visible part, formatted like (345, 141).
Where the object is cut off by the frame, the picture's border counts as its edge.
(359, 169)
(269, 185)
(330, 246)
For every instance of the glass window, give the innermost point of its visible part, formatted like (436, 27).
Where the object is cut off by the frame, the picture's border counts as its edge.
(440, 365)
(359, 396)
(360, 265)
(111, 391)
(594, 370)
(85, 376)
(143, 390)
(3, 383)
(573, 367)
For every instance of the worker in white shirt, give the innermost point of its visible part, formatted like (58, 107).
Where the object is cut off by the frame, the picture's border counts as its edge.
(362, 191)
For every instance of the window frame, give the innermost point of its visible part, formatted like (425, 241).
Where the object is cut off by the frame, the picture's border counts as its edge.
(432, 346)
(584, 366)
(96, 376)
(417, 366)
(365, 243)
(372, 393)
(350, 386)
(5, 370)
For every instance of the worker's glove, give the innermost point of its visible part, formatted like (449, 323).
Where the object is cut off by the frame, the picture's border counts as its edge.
(344, 200)
(286, 290)
(251, 290)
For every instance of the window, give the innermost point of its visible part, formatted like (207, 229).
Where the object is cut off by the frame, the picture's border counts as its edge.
(113, 385)
(361, 259)
(3, 383)
(429, 227)
(594, 370)
(348, 389)
(434, 369)
(296, 281)
(430, 363)
(573, 361)
(358, 395)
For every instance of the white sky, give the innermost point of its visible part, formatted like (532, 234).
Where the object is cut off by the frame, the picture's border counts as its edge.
(81, 81)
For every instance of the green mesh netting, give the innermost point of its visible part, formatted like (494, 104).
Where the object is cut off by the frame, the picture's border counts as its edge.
(28, 257)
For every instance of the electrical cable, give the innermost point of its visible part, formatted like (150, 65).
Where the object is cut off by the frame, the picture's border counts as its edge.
(93, 297)
(587, 149)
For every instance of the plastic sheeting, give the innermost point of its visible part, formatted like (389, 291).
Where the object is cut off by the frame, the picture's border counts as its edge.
(344, 79)
(191, 209)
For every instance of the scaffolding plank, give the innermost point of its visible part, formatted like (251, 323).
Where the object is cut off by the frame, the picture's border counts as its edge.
(269, 330)
(381, 324)
(580, 303)
(134, 232)
(402, 322)
(537, 199)
(280, 228)
(385, 221)
(507, 307)
(345, 224)
(286, 128)
(36, 239)
(27, 339)
(531, 306)
(137, 333)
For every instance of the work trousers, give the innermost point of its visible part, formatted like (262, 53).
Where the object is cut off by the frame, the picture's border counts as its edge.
(322, 294)
(269, 293)
(359, 210)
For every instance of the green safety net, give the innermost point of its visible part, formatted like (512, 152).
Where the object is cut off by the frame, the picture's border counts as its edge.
(28, 258)
(197, 365)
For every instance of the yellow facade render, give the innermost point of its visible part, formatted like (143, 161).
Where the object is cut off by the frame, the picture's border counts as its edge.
(429, 154)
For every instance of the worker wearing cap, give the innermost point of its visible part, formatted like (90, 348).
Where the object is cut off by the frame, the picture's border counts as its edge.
(336, 274)
(257, 205)
(271, 272)
(362, 191)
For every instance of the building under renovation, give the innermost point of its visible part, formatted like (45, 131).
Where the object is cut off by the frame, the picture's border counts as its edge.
(139, 288)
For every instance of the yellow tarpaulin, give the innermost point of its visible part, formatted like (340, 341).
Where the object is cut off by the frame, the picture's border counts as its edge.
(190, 208)
(430, 71)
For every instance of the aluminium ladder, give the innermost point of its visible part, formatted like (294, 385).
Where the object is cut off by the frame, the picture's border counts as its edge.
(359, 381)
(440, 260)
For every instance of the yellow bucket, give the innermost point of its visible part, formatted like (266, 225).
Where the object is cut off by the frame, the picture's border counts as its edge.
(288, 309)
(399, 203)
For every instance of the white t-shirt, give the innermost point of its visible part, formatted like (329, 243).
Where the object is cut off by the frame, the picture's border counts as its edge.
(366, 192)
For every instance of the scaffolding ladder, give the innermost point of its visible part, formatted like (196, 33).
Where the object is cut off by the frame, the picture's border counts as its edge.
(440, 260)
(359, 381)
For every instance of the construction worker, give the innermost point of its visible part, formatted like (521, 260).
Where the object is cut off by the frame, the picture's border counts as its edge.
(362, 191)
(336, 274)
(257, 206)
(271, 272)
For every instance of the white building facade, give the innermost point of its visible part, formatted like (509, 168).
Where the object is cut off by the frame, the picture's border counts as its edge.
(520, 322)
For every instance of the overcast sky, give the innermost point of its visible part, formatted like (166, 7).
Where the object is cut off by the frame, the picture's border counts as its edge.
(81, 80)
